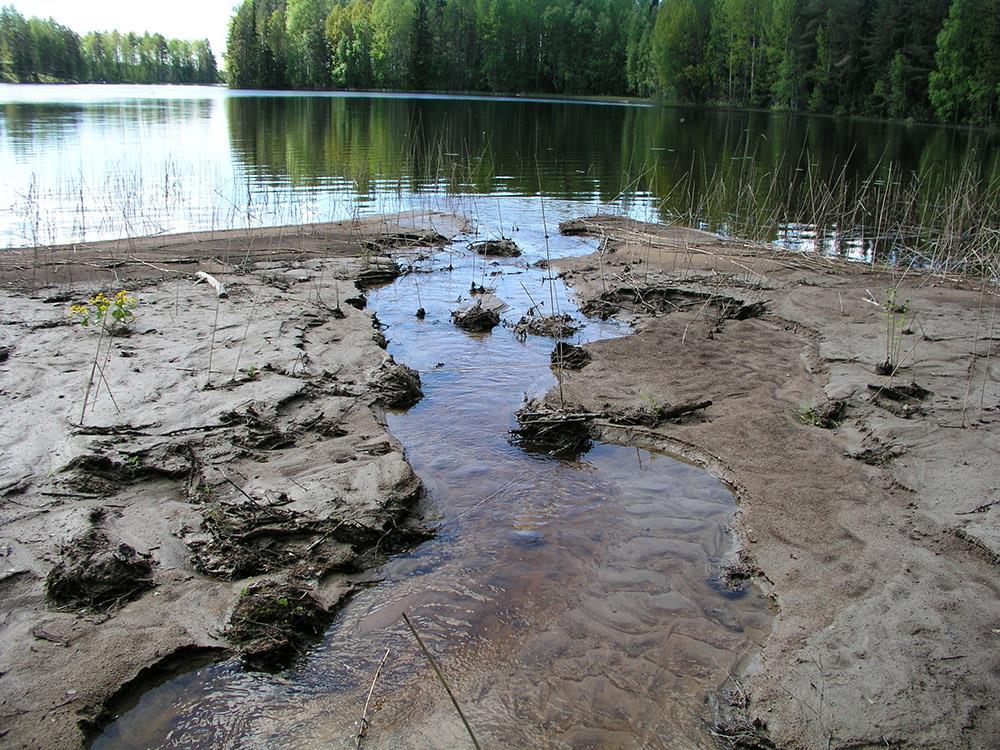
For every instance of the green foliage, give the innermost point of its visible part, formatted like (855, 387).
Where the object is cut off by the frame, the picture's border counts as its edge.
(874, 57)
(37, 49)
(965, 87)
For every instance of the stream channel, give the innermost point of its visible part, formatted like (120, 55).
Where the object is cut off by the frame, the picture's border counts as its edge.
(571, 603)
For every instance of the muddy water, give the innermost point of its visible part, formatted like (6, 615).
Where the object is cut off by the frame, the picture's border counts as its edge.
(570, 603)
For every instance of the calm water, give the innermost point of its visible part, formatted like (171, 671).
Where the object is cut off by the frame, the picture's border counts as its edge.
(94, 162)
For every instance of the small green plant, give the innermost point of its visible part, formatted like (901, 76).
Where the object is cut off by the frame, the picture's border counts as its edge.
(252, 372)
(827, 416)
(655, 407)
(895, 314)
(112, 316)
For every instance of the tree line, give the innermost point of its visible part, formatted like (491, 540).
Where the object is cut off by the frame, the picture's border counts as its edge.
(44, 50)
(921, 59)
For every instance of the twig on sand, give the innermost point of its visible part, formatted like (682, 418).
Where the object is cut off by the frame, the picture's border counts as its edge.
(363, 725)
(444, 683)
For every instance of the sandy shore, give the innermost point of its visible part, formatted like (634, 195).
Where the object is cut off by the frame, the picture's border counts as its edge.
(878, 538)
(188, 512)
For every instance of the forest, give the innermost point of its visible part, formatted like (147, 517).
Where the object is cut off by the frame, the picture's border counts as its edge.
(905, 59)
(44, 50)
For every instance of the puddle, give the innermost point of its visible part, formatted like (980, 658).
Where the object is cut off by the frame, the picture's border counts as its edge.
(570, 603)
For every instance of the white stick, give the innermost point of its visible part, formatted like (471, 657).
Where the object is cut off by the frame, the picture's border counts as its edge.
(220, 289)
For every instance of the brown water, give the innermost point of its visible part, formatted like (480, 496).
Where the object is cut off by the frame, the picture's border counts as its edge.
(570, 603)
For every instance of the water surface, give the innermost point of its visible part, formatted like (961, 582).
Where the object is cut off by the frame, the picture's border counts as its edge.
(98, 162)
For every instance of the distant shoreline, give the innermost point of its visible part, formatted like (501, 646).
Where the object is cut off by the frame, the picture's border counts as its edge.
(538, 98)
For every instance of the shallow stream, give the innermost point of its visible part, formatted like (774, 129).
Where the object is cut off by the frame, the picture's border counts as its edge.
(570, 603)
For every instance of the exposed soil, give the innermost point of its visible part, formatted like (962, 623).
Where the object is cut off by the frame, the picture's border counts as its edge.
(501, 248)
(556, 326)
(878, 537)
(479, 317)
(569, 356)
(134, 530)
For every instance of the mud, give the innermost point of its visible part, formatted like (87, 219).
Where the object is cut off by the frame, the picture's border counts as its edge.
(232, 455)
(554, 326)
(876, 537)
(569, 356)
(273, 621)
(476, 318)
(96, 573)
(501, 248)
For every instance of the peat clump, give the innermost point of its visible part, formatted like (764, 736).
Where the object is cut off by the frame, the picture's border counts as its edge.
(273, 621)
(570, 357)
(476, 318)
(501, 248)
(395, 385)
(554, 326)
(96, 573)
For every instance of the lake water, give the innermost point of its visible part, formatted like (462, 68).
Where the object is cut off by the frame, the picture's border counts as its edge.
(97, 162)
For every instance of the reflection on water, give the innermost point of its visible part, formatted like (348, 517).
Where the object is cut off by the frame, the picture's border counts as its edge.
(95, 162)
(569, 602)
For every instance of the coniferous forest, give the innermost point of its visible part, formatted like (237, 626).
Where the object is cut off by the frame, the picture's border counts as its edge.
(921, 59)
(44, 50)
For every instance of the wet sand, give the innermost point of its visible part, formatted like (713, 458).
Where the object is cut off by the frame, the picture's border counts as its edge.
(182, 490)
(878, 540)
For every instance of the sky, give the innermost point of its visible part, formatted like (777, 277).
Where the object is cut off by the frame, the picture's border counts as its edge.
(177, 19)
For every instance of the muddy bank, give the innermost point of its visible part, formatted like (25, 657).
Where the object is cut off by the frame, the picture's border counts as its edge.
(877, 537)
(230, 472)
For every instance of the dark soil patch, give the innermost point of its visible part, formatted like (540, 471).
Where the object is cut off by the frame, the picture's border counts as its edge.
(405, 239)
(588, 226)
(657, 300)
(554, 326)
(476, 318)
(273, 621)
(395, 385)
(570, 357)
(564, 432)
(96, 573)
(245, 539)
(501, 248)
(377, 275)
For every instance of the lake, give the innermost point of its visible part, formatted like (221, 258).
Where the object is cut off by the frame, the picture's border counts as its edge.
(99, 162)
